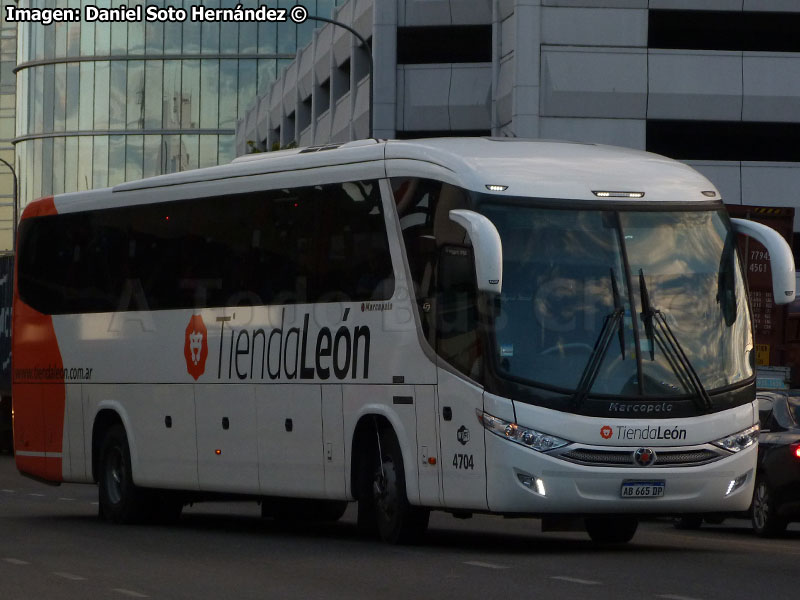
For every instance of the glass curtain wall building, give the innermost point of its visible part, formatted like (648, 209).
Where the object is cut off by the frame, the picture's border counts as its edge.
(103, 103)
(8, 60)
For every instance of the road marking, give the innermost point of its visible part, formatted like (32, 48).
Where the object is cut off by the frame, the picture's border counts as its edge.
(9, 491)
(37, 495)
(16, 561)
(575, 580)
(69, 576)
(94, 503)
(675, 597)
(485, 565)
(130, 593)
(67, 499)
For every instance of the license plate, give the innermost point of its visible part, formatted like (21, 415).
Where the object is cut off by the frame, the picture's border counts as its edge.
(643, 489)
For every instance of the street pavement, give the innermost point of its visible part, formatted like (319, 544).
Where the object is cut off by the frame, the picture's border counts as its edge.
(54, 547)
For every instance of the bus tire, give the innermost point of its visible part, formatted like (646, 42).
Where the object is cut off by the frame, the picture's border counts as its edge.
(764, 515)
(396, 520)
(366, 520)
(611, 530)
(121, 501)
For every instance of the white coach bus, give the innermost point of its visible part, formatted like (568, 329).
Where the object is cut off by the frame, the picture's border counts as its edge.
(470, 325)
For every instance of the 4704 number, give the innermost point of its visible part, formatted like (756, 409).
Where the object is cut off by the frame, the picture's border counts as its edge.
(463, 461)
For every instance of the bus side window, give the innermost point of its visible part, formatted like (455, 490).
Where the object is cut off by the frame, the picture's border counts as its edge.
(325, 243)
(352, 252)
(456, 289)
(442, 269)
(416, 201)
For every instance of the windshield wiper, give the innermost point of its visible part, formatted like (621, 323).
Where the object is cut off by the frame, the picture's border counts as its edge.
(658, 331)
(592, 368)
(618, 306)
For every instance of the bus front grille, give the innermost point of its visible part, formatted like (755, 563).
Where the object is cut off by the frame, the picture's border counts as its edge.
(625, 458)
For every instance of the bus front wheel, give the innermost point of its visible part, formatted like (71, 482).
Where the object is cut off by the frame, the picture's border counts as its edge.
(120, 500)
(385, 504)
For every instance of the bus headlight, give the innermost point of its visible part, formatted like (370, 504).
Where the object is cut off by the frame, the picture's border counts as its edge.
(739, 441)
(524, 436)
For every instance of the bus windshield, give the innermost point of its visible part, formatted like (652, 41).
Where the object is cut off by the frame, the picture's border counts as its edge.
(629, 303)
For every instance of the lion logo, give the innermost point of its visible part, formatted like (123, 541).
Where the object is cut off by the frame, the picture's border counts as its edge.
(195, 346)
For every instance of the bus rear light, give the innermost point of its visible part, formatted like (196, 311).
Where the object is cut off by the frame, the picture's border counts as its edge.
(530, 438)
(218, 452)
(796, 449)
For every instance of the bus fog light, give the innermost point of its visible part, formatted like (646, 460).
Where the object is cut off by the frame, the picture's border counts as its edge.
(735, 484)
(532, 482)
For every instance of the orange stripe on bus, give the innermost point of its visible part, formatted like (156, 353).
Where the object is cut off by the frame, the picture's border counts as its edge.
(40, 208)
(44, 467)
(38, 390)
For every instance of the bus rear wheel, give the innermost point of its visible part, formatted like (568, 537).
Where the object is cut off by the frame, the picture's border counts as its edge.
(121, 501)
(384, 506)
(611, 530)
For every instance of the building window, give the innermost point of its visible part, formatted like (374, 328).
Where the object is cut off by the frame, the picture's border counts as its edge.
(724, 140)
(444, 44)
(724, 30)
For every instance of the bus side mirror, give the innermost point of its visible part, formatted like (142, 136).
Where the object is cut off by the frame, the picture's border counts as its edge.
(780, 256)
(486, 246)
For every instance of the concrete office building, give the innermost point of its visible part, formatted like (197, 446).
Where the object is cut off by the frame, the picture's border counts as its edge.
(102, 103)
(715, 83)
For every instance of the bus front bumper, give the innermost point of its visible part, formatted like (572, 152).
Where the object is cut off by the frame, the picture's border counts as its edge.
(523, 481)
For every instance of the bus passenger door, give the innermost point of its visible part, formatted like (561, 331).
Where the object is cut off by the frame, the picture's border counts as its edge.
(463, 452)
(459, 351)
(227, 451)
